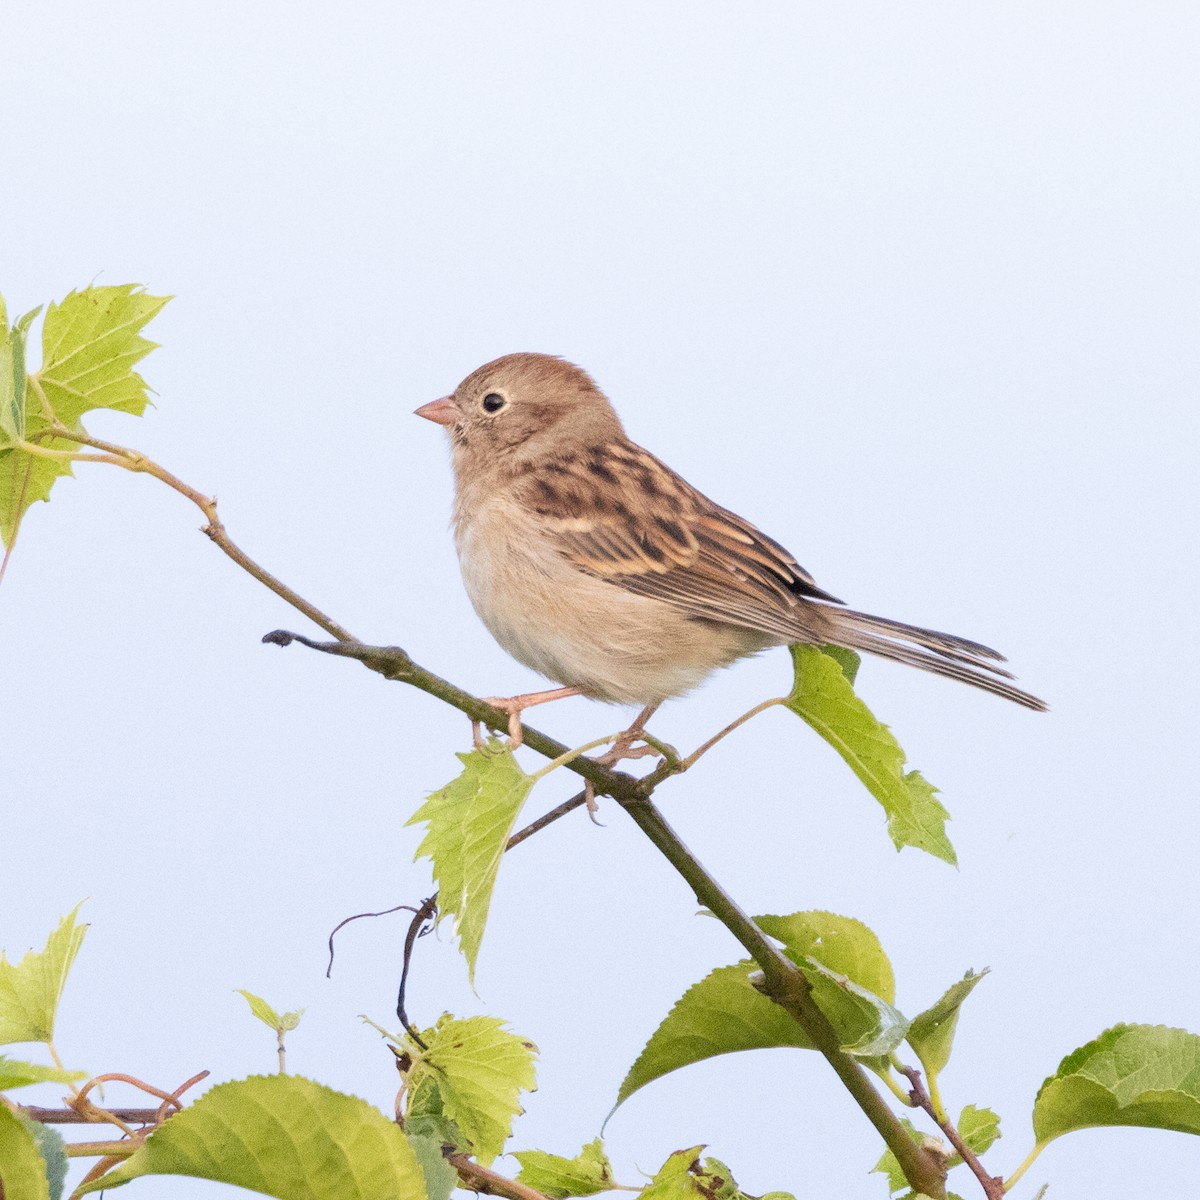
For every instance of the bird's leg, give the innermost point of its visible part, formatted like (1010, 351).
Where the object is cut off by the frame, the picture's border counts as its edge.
(516, 705)
(622, 748)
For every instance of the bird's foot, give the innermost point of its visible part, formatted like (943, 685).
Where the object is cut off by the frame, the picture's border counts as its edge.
(516, 705)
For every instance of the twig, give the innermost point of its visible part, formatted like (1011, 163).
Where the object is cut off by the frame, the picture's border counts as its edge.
(489, 1182)
(993, 1185)
(133, 460)
(68, 1116)
(691, 759)
(785, 983)
(386, 912)
(576, 801)
(419, 926)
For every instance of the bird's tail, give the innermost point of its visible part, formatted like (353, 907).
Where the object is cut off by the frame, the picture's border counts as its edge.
(942, 653)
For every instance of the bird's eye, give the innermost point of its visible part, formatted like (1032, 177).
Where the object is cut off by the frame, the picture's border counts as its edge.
(493, 402)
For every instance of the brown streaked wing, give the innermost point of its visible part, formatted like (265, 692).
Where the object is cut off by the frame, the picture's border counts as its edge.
(618, 513)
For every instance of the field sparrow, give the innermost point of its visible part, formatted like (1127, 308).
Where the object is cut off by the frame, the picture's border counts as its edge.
(592, 562)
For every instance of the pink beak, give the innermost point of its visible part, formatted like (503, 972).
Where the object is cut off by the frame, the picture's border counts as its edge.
(440, 412)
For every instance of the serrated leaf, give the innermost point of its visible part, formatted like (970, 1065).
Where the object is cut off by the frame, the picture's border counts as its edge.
(584, 1175)
(931, 1034)
(15, 1074)
(53, 1150)
(22, 1167)
(888, 1164)
(468, 825)
(868, 1025)
(440, 1177)
(674, 1180)
(842, 944)
(12, 378)
(25, 479)
(260, 1008)
(848, 660)
(478, 1069)
(979, 1128)
(30, 989)
(724, 1013)
(284, 1136)
(279, 1022)
(824, 698)
(90, 345)
(1145, 1075)
(685, 1177)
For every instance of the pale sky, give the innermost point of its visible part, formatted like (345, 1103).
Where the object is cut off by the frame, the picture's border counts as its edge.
(914, 287)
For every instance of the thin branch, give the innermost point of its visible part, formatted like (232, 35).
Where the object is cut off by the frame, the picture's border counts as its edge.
(724, 733)
(419, 926)
(109, 1150)
(993, 1185)
(386, 912)
(489, 1182)
(68, 1116)
(133, 460)
(576, 801)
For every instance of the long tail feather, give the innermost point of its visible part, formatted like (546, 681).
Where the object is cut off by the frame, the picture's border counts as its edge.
(941, 653)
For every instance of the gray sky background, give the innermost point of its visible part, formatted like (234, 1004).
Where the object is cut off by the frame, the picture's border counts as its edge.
(912, 286)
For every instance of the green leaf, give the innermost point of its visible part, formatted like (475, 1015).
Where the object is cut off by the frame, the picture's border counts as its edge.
(260, 1008)
(12, 379)
(1130, 1075)
(15, 1074)
(868, 1026)
(477, 1070)
(469, 822)
(27, 478)
(440, 1177)
(284, 1136)
(675, 1180)
(724, 1013)
(979, 1128)
(584, 1175)
(889, 1165)
(30, 990)
(685, 1177)
(848, 660)
(931, 1034)
(90, 345)
(823, 696)
(284, 1022)
(53, 1150)
(22, 1166)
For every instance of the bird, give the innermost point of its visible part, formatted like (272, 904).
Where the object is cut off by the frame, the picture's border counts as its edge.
(599, 567)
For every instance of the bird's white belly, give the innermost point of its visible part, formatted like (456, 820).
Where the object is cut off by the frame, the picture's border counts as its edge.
(581, 631)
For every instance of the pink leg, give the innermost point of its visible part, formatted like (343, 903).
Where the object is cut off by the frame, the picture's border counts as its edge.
(516, 705)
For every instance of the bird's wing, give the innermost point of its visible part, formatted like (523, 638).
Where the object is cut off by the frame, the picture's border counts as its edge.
(618, 513)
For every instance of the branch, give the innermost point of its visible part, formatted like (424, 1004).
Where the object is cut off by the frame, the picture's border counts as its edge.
(993, 1185)
(68, 1116)
(133, 460)
(784, 983)
(491, 1183)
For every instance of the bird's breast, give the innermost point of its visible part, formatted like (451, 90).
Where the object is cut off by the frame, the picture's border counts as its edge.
(574, 628)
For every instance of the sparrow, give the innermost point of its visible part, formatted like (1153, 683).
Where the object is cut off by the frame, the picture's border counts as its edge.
(593, 563)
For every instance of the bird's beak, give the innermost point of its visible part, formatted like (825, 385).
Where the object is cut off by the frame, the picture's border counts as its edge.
(440, 412)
